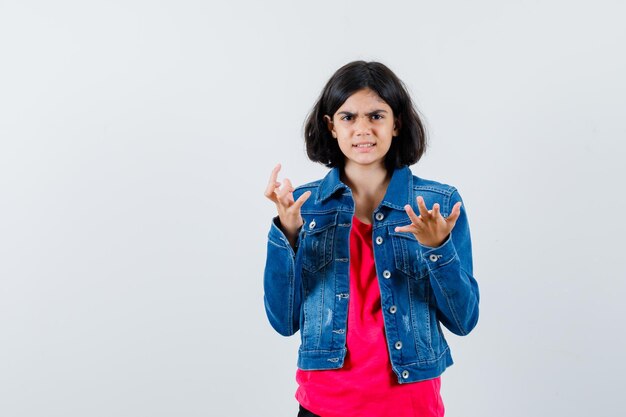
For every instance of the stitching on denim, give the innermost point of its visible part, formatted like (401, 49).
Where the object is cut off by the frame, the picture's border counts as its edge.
(428, 361)
(321, 312)
(312, 211)
(318, 351)
(428, 318)
(312, 184)
(447, 200)
(444, 191)
(276, 244)
(391, 205)
(305, 313)
(414, 319)
(325, 239)
(456, 256)
(450, 306)
(291, 299)
(319, 230)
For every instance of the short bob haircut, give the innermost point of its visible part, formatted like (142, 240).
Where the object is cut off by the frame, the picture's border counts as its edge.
(406, 148)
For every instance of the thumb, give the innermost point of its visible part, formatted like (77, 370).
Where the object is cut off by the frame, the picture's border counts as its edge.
(300, 201)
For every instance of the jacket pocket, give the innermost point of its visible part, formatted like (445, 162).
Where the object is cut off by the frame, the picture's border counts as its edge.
(407, 254)
(318, 233)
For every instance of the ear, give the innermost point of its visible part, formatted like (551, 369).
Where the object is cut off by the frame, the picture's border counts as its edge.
(397, 125)
(330, 125)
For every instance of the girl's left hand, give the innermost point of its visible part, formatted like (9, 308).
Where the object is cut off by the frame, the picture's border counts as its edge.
(430, 228)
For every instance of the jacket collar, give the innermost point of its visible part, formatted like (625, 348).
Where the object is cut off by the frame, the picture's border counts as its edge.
(330, 184)
(398, 191)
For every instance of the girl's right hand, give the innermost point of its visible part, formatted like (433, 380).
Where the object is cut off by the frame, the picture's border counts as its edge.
(288, 209)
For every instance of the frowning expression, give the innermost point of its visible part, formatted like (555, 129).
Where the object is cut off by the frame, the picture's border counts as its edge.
(364, 127)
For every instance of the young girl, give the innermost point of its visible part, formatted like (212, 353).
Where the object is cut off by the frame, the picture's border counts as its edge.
(369, 261)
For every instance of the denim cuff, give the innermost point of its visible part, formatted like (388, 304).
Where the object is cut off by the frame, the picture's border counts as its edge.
(441, 255)
(277, 237)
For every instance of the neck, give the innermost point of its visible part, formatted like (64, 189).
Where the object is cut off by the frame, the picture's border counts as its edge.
(366, 181)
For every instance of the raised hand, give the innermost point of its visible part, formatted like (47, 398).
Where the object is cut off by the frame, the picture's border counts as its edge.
(288, 209)
(430, 228)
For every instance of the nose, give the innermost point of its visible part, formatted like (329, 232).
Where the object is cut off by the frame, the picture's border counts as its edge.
(362, 126)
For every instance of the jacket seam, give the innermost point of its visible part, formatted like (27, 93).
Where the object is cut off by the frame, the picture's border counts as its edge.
(451, 307)
(447, 192)
(292, 289)
(428, 361)
(276, 244)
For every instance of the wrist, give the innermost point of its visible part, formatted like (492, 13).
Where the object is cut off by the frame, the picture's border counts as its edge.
(290, 231)
(434, 243)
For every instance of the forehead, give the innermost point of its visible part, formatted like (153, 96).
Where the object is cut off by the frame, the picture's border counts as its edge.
(364, 100)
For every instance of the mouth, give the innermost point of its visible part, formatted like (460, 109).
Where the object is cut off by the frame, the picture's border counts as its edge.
(364, 145)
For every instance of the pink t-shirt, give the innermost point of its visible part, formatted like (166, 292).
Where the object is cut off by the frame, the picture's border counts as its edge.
(366, 384)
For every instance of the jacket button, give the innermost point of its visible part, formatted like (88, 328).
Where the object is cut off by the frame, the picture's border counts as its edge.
(405, 374)
(380, 216)
(379, 240)
(393, 309)
(434, 258)
(386, 274)
(398, 345)
(312, 224)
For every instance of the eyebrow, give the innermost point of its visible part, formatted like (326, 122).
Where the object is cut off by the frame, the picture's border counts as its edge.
(347, 113)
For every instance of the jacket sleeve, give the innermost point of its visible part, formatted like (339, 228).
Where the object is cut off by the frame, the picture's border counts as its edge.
(281, 283)
(450, 270)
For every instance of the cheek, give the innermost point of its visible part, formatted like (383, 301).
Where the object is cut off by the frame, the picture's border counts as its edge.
(344, 146)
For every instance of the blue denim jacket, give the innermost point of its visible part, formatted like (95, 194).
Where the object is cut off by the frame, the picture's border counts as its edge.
(420, 286)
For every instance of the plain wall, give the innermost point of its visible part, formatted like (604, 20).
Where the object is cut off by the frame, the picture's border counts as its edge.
(136, 140)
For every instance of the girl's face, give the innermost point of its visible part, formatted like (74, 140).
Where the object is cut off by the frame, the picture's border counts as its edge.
(364, 127)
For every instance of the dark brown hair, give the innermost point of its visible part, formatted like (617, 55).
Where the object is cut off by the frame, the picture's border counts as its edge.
(406, 149)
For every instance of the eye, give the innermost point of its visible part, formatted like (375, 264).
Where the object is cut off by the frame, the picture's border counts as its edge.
(346, 117)
(377, 116)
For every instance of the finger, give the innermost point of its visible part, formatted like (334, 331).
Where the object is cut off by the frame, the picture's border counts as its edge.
(300, 201)
(284, 194)
(286, 189)
(270, 192)
(274, 175)
(456, 212)
(409, 228)
(435, 211)
(287, 184)
(422, 207)
(412, 215)
(271, 185)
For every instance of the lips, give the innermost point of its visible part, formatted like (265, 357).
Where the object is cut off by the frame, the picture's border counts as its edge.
(364, 145)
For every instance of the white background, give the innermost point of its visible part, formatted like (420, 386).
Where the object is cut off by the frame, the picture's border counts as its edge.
(136, 139)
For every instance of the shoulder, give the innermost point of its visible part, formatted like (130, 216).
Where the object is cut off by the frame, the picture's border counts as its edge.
(427, 185)
(433, 191)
